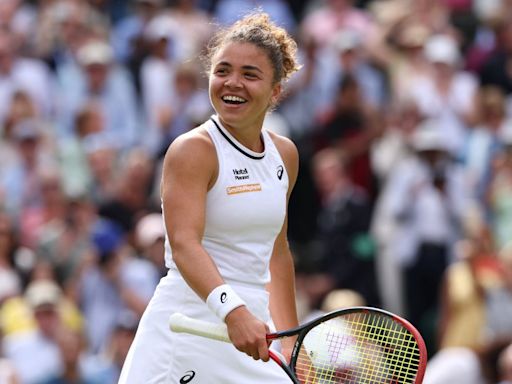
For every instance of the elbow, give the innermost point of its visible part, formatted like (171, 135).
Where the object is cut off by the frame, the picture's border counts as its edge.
(181, 246)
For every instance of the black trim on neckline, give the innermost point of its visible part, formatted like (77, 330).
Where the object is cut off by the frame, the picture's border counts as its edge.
(234, 144)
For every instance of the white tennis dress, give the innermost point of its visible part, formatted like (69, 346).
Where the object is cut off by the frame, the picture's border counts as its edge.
(245, 211)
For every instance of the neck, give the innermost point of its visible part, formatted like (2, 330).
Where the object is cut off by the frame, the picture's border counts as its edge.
(250, 136)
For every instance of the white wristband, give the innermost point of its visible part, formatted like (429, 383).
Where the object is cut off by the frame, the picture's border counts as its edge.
(222, 300)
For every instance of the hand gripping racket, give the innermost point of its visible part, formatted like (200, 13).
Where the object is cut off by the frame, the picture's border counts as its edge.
(358, 345)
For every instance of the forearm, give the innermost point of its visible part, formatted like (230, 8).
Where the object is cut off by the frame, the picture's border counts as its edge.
(282, 292)
(197, 268)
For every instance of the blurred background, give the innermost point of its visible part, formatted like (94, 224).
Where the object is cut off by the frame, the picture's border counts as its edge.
(402, 114)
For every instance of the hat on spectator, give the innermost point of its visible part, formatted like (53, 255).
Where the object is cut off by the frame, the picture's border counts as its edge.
(149, 229)
(43, 292)
(106, 237)
(159, 27)
(27, 129)
(429, 137)
(346, 40)
(95, 52)
(442, 49)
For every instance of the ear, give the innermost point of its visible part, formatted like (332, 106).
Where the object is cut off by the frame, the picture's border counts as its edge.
(276, 94)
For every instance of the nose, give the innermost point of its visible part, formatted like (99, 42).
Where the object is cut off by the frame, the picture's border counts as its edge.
(233, 82)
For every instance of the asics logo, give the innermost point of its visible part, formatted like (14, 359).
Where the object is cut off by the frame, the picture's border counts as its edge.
(280, 171)
(189, 376)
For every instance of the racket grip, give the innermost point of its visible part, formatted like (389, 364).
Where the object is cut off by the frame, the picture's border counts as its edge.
(181, 323)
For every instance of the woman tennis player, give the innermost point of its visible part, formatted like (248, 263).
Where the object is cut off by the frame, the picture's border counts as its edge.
(225, 190)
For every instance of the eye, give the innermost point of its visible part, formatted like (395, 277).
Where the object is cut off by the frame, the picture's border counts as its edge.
(220, 71)
(251, 75)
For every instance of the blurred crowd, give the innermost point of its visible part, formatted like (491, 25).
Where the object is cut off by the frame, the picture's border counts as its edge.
(402, 114)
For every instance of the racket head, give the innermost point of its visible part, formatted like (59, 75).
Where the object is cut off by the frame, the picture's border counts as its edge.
(361, 345)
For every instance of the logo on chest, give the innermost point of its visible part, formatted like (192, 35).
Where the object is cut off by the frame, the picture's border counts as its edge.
(241, 174)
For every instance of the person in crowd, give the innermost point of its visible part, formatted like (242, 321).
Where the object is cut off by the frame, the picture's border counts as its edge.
(30, 75)
(423, 202)
(98, 77)
(449, 93)
(484, 142)
(498, 192)
(352, 127)
(20, 182)
(35, 353)
(115, 281)
(149, 240)
(343, 227)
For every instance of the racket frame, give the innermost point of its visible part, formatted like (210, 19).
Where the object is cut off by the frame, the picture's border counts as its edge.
(302, 330)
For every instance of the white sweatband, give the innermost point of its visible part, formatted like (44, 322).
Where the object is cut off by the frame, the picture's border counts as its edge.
(222, 300)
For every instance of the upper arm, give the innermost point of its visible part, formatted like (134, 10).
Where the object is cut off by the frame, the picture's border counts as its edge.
(290, 156)
(190, 168)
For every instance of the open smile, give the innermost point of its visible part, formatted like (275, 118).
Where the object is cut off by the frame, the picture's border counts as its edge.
(233, 100)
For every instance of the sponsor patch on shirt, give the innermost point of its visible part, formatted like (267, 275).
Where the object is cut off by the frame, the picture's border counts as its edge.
(235, 189)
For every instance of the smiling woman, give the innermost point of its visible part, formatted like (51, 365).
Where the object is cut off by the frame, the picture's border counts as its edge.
(225, 191)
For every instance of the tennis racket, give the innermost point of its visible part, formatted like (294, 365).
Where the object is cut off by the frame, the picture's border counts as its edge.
(357, 345)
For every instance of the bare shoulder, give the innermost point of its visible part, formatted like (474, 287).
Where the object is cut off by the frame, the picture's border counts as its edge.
(192, 153)
(284, 145)
(288, 151)
(193, 146)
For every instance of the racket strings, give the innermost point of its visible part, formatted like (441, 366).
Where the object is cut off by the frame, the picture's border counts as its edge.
(359, 348)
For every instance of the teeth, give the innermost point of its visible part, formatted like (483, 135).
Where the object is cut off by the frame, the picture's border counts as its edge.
(234, 98)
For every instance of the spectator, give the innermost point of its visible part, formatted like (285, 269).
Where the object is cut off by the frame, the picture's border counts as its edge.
(423, 203)
(117, 281)
(192, 28)
(498, 193)
(20, 182)
(132, 188)
(72, 152)
(454, 366)
(64, 245)
(485, 139)
(350, 59)
(448, 94)
(463, 314)
(98, 78)
(26, 74)
(157, 78)
(35, 354)
(494, 70)
(149, 237)
(352, 127)
(62, 28)
(346, 252)
(128, 33)
(325, 21)
(76, 368)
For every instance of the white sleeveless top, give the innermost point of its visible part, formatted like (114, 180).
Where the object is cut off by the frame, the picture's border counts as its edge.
(245, 209)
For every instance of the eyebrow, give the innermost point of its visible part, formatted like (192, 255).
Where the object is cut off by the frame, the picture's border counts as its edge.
(245, 67)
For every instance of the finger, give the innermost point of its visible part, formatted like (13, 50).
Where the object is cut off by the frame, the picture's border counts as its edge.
(263, 350)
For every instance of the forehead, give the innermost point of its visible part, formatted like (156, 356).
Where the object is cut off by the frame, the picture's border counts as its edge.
(242, 54)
